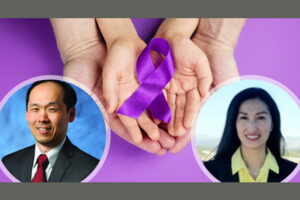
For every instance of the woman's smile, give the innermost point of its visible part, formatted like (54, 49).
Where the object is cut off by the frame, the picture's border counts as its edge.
(253, 124)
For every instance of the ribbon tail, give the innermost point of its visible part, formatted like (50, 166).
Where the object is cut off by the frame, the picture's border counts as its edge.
(160, 109)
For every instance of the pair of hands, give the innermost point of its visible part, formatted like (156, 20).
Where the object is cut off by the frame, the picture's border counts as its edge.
(109, 70)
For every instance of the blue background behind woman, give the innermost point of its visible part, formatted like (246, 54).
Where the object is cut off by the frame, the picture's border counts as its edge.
(252, 130)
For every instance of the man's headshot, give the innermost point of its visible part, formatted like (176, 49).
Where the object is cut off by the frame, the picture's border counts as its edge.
(50, 109)
(50, 106)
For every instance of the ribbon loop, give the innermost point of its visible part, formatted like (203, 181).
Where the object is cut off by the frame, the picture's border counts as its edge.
(152, 81)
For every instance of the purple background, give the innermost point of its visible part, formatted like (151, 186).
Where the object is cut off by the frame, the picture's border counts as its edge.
(267, 47)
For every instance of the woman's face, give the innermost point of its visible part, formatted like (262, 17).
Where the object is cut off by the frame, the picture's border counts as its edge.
(254, 124)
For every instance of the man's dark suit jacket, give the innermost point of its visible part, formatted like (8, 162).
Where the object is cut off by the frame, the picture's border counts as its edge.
(72, 164)
(221, 170)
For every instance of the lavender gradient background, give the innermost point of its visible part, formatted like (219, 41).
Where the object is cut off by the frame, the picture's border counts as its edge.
(267, 47)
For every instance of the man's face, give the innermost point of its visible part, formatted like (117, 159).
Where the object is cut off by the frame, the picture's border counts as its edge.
(47, 114)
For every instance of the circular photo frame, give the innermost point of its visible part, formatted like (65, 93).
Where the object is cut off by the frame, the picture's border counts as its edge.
(39, 116)
(237, 120)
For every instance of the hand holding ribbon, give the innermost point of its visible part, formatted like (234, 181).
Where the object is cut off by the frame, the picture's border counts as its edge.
(192, 77)
(152, 80)
(120, 82)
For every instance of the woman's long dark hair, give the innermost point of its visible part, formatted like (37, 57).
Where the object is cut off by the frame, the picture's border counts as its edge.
(230, 141)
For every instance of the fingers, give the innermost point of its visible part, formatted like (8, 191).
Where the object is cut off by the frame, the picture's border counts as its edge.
(162, 152)
(148, 126)
(146, 144)
(118, 128)
(178, 106)
(132, 128)
(172, 105)
(179, 115)
(157, 121)
(191, 108)
(181, 142)
(166, 140)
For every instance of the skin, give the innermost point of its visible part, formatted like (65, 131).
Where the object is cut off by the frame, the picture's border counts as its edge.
(254, 124)
(47, 115)
(184, 84)
(218, 37)
(201, 62)
(119, 74)
(192, 77)
(84, 63)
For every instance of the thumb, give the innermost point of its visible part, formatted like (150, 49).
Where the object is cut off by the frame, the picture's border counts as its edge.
(110, 86)
(204, 75)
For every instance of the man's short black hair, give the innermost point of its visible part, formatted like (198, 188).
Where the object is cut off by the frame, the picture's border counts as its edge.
(69, 99)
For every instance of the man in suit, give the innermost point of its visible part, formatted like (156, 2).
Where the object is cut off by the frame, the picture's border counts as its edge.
(50, 106)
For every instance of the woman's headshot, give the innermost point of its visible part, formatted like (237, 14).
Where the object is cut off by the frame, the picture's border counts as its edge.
(252, 145)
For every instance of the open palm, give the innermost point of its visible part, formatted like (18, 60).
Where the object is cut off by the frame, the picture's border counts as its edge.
(86, 67)
(191, 81)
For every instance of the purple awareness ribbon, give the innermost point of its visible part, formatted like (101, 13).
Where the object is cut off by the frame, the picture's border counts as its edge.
(152, 80)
